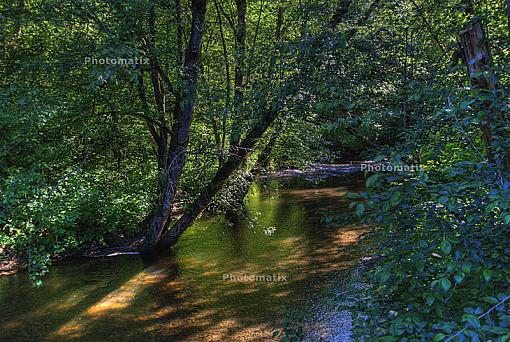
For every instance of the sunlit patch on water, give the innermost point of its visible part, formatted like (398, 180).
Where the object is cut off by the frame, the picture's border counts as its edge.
(112, 304)
(184, 297)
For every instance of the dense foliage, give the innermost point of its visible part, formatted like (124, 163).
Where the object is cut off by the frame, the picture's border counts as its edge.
(80, 163)
(86, 150)
(441, 271)
(92, 153)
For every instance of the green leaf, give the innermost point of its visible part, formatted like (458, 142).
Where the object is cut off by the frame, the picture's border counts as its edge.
(459, 277)
(360, 209)
(466, 267)
(443, 199)
(500, 330)
(491, 300)
(372, 180)
(396, 198)
(439, 337)
(384, 275)
(352, 195)
(445, 247)
(487, 274)
(492, 206)
(379, 158)
(472, 320)
(445, 284)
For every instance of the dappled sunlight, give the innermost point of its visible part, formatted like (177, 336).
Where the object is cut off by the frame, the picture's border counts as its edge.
(199, 293)
(311, 194)
(114, 302)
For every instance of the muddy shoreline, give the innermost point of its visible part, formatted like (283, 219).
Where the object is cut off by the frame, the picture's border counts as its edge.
(11, 265)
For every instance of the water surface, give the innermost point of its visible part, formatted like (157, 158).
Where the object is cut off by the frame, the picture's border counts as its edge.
(184, 297)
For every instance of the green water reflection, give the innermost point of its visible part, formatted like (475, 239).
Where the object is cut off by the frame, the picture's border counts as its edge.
(183, 297)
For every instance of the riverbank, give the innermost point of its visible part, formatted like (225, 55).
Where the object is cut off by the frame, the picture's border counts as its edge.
(9, 264)
(330, 313)
(317, 171)
(185, 296)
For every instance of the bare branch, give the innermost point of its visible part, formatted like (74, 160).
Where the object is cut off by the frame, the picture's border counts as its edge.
(479, 317)
(227, 72)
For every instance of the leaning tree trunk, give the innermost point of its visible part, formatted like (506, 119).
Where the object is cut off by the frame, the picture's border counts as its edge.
(239, 154)
(234, 161)
(246, 176)
(240, 186)
(476, 57)
(182, 118)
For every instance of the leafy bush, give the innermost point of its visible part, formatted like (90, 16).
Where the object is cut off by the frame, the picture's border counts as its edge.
(41, 221)
(445, 245)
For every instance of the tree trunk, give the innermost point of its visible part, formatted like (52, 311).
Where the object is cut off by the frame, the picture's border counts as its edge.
(476, 57)
(235, 160)
(341, 12)
(240, 55)
(246, 177)
(238, 152)
(265, 156)
(224, 119)
(242, 183)
(469, 7)
(159, 98)
(182, 117)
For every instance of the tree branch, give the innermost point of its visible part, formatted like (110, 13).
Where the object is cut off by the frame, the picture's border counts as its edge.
(227, 72)
(479, 317)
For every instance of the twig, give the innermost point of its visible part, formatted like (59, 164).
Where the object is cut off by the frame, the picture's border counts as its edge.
(429, 26)
(479, 317)
(227, 75)
(464, 132)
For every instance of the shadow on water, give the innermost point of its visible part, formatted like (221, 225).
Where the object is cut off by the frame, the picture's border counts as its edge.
(184, 297)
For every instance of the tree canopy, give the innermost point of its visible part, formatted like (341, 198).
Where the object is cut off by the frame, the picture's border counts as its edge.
(114, 114)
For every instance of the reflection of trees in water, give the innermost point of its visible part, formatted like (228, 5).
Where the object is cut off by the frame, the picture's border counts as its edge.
(182, 296)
